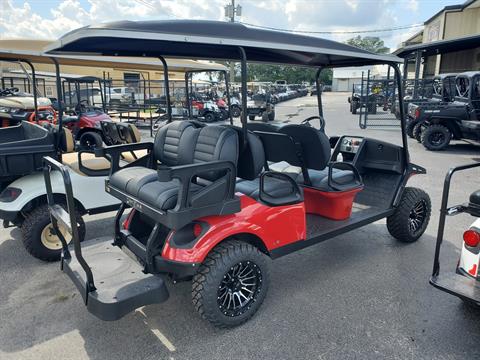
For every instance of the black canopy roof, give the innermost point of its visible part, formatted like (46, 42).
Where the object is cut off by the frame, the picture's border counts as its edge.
(440, 46)
(211, 40)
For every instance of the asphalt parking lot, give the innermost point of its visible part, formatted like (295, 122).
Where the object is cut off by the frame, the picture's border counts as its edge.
(361, 295)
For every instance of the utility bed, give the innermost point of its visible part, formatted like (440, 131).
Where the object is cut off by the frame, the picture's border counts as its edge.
(22, 148)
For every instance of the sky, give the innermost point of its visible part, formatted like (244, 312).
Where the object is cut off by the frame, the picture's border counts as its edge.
(49, 19)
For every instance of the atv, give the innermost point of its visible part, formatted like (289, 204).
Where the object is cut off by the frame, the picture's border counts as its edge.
(443, 91)
(206, 204)
(441, 122)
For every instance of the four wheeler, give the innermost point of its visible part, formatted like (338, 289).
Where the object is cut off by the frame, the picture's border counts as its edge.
(16, 107)
(84, 117)
(205, 206)
(464, 282)
(359, 98)
(443, 91)
(460, 120)
(261, 105)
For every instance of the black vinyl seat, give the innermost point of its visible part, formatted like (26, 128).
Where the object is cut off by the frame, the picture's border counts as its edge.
(182, 145)
(303, 153)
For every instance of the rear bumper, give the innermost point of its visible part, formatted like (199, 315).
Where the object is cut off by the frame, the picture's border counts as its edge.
(10, 216)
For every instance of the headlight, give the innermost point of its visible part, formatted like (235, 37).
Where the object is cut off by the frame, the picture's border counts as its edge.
(4, 109)
(97, 125)
(10, 194)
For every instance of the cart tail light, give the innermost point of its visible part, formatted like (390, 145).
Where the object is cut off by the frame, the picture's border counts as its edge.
(128, 220)
(10, 194)
(471, 238)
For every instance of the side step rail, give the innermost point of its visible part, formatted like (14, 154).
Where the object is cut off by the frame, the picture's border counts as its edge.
(65, 218)
(460, 287)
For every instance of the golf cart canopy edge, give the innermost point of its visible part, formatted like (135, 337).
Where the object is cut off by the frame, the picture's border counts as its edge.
(211, 40)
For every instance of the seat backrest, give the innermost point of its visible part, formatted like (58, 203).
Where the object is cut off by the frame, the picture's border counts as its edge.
(188, 142)
(215, 143)
(261, 126)
(129, 133)
(251, 156)
(174, 143)
(279, 147)
(315, 145)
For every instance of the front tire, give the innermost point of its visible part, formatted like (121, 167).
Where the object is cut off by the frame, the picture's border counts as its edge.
(231, 284)
(251, 117)
(236, 112)
(411, 217)
(90, 140)
(410, 126)
(417, 132)
(436, 137)
(38, 237)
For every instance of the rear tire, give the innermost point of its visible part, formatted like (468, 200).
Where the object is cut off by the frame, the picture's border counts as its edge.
(230, 268)
(38, 238)
(436, 137)
(90, 140)
(354, 107)
(411, 217)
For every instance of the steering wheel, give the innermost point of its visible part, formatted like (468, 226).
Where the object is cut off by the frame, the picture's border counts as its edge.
(9, 91)
(321, 121)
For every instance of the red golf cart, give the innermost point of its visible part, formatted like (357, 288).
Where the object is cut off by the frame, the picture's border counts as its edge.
(206, 203)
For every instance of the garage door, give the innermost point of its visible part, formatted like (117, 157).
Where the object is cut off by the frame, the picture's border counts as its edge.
(342, 85)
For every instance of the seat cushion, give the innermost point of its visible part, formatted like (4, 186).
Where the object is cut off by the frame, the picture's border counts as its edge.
(142, 183)
(272, 186)
(163, 195)
(319, 178)
(131, 180)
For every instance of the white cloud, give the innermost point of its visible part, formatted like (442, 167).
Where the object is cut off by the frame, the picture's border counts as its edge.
(19, 20)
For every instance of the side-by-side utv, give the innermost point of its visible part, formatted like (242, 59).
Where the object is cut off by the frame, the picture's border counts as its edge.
(207, 205)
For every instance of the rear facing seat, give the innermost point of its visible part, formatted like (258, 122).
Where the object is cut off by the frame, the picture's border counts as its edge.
(176, 144)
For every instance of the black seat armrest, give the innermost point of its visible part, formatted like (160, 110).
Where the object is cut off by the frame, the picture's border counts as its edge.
(343, 166)
(293, 197)
(114, 154)
(186, 173)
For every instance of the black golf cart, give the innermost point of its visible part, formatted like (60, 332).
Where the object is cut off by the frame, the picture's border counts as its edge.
(205, 203)
(459, 120)
(464, 281)
(443, 91)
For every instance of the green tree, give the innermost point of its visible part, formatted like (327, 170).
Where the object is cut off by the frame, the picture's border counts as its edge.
(370, 43)
(291, 74)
